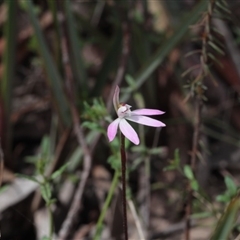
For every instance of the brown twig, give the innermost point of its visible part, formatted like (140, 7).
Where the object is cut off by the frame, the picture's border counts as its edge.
(68, 223)
(199, 91)
(87, 162)
(124, 200)
(196, 135)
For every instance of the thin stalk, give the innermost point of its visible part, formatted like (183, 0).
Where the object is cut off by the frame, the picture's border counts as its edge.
(48, 206)
(196, 136)
(50, 215)
(106, 205)
(124, 201)
(198, 109)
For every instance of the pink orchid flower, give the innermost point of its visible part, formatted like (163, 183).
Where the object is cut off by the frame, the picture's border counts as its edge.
(124, 113)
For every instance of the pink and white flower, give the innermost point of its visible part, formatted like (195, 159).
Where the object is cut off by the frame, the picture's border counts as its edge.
(124, 113)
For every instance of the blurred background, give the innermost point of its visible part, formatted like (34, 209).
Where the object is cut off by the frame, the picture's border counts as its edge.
(60, 63)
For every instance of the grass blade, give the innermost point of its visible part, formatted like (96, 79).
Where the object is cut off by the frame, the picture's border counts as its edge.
(53, 74)
(226, 222)
(57, 45)
(166, 48)
(8, 74)
(77, 62)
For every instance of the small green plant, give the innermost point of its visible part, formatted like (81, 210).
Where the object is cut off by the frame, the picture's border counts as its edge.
(188, 173)
(42, 162)
(230, 192)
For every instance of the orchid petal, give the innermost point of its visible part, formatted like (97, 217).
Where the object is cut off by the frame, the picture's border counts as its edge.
(116, 98)
(147, 112)
(146, 121)
(112, 129)
(128, 131)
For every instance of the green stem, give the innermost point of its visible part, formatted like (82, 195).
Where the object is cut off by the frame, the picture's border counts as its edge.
(50, 215)
(124, 200)
(48, 203)
(106, 205)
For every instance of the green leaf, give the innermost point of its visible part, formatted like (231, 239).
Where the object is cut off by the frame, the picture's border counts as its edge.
(169, 168)
(201, 215)
(75, 159)
(189, 70)
(44, 156)
(176, 157)
(215, 59)
(194, 185)
(51, 201)
(188, 173)
(215, 47)
(60, 171)
(93, 126)
(227, 220)
(46, 192)
(115, 162)
(192, 53)
(45, 147)
(156, 151)
(223, 198)
(31, 159)
(231, 186)
(223, 7)
(94, 112)
(130, 80)
(139, 149)
(175, 163)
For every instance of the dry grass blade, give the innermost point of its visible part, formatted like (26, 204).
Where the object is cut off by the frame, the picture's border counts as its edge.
(55, 78)
(226, 222)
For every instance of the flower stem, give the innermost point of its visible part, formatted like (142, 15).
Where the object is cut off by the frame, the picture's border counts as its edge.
(106, 205)
(124, 201)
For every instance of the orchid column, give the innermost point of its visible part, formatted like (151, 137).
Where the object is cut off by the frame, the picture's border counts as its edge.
(139, 116)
